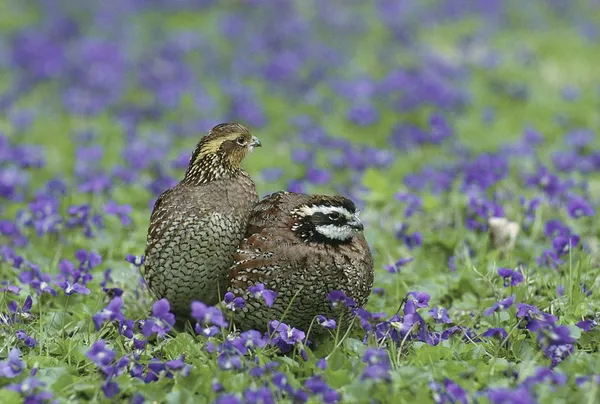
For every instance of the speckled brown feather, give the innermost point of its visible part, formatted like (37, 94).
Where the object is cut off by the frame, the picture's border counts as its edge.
(196, 226)
(274, 255)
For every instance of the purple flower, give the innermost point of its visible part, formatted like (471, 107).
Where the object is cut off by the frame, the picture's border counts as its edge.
(338, 296)
(29, 389)
(261, 396)
(506, 396)
(393, 269)
(249, 340)
(587, 325)
(123, 212)
(581, 380)
(296, 186)
(229, 357)
(101, 355)
(228, 398)
(162, 319)
(325, 322)
(270, 174)
(216, 386)
(110, 388)
(450, 392)
(501, 305)
(284, 336)
(410, 240)
(555, 228)
(440, 315)
(452, 263)
(496, 332)
(26, 339)
(558, 353)
(584, 289)
(562, 245)
(112, 312)
(13, 366)
(88, 260)
(485, 171)
(137, 260)
(286, 333)
(413, 202)
(548, 182)
(259, 291)
(208, 315)
(549, 259)
(531, 208)
(578, 207)
(302, 156)
(139, 344)
(533, 317)
(126, 328)
(42, 285)
(14, 289)
(178, 365)
(420, 299)
(317, 176)
(556, 342)
(579, 138)
(234, 303)
(545, 375)
(378, 364)
(363, 114)
(80, 217)
(556, 335)
(113, 292)
(39, 281)
(316, 385)
(479, 212)
(207, 330)
(18, 314)
(9, 256)
(71, 288)
(510, 277)
(397, 327)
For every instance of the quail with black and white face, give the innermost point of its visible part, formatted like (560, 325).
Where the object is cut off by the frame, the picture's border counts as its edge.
(303, 247)
(196, 226)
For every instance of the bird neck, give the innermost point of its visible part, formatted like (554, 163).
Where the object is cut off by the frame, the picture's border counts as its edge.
(208, 168)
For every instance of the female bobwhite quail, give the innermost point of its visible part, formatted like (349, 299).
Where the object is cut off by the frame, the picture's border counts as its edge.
(197, 225)
(303, 247)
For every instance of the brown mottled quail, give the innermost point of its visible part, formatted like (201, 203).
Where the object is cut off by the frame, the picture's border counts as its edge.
(196, 226)
(302, 247)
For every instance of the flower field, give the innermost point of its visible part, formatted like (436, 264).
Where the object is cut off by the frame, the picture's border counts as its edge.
(468, 133)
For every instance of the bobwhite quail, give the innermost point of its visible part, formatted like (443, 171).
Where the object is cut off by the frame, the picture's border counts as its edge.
(196, 226)
(302, 247)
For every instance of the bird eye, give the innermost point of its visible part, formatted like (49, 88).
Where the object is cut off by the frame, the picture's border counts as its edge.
(241, 140)
(334, 216)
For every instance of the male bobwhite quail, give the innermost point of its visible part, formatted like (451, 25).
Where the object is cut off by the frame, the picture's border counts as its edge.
(196, 226)
(303, 247)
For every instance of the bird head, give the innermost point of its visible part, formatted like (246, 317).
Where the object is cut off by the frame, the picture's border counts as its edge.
(220, 153)
(327, 219)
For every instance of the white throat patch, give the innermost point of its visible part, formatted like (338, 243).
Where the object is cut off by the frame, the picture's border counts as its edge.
(335, 232)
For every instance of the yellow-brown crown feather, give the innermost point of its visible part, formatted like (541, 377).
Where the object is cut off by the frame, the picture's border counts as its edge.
(220, 153)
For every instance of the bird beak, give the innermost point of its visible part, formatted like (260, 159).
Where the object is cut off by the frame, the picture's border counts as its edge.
(255, 142)
(356, 224)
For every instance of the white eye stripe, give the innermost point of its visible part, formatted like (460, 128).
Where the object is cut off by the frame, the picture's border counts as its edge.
(326, 210)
